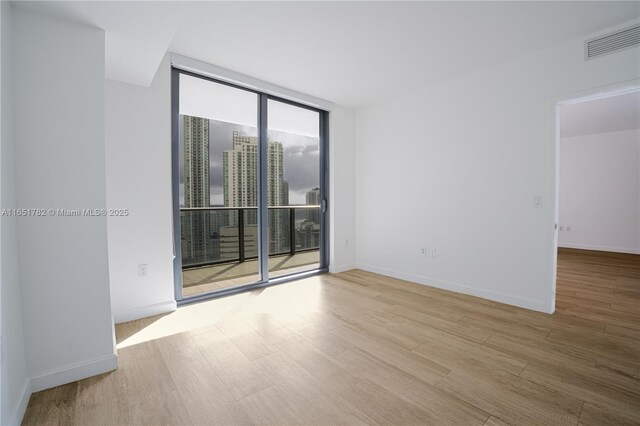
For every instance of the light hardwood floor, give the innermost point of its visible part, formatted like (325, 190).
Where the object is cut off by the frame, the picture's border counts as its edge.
(359, 348)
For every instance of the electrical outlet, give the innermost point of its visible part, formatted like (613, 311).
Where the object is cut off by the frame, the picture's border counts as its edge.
(422, 251)
(433, 252)
(143, 270)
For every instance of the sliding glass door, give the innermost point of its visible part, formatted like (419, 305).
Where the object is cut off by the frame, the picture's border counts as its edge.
(293, 192)
(248, 187)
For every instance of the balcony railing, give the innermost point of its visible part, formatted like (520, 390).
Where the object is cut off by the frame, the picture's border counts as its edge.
(214, 235)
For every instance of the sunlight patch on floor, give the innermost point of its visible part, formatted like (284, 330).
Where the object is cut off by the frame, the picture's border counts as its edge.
(299, 298)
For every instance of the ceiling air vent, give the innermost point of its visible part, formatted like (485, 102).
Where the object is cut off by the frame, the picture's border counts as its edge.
(613, 42)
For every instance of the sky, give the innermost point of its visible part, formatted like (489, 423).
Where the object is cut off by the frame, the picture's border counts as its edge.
(203, 98)
(231, 109)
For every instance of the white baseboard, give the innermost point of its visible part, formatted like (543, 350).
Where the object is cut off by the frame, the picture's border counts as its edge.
(18, 414)
(460, 288)
(73, 373)
(341, 268)
(599, 248)
(60, 377)
(144, 311)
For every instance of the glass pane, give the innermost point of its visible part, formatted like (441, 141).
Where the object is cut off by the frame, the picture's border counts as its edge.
(293, 181)
(218, 185)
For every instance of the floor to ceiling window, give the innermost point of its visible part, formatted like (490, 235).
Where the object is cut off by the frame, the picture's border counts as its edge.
(249, 187)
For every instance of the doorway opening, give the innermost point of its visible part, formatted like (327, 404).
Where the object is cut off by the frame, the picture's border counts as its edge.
(597, 236)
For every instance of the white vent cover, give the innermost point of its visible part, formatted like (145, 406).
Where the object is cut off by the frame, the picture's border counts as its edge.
(613, 42)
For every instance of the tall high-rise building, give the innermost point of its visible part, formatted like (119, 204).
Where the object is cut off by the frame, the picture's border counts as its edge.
(275, 174)
(240, 168)
(197, 242)
(240, 172)
(196, 161)
(285, 193)
(276, 196)
(240, 188)
(313, 199)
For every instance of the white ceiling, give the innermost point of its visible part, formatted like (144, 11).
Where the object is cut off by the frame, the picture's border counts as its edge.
(611, 114)
(350, 53)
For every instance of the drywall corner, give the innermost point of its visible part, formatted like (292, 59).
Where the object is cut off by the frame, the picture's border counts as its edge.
(342, 187)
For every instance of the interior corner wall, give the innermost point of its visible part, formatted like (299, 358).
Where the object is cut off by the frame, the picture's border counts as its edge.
(14, 386)
(600, 192)
(342, 189)
(138, 138)
(455, 166)
(58, 129)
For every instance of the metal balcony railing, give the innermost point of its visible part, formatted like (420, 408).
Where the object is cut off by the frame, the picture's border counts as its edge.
(214, 235)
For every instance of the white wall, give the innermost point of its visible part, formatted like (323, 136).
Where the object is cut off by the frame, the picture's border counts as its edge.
(456, 166)
(14, 386)
(138, 138)
(600, 192)
(58, 127)
(342, 175)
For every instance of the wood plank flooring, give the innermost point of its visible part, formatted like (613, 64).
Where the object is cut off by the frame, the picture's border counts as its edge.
(359, 348)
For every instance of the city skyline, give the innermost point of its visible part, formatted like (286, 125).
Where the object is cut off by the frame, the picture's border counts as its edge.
(241, 186)
(216, 235)
(300, 159)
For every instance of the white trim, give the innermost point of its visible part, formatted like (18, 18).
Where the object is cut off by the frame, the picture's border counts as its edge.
(145, 311)
(192, 65)
(535, 305)
(623, 88)
(599, 248)
(74, 373)
(18, 414)
(341, 268)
